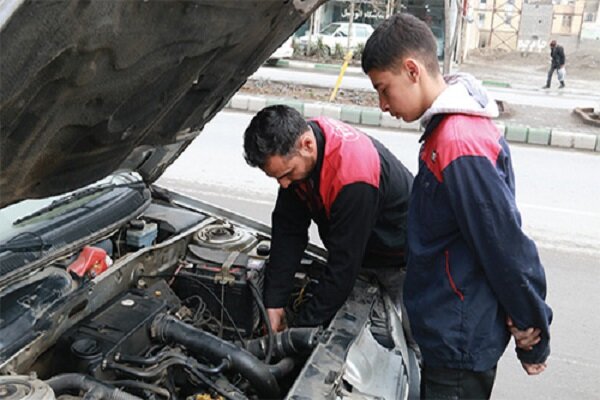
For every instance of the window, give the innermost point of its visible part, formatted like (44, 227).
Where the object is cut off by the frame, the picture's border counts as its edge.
(481, 20)
(361, 32)
(566, 21)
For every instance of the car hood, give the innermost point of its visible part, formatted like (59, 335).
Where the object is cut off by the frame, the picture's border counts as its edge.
(89, 88)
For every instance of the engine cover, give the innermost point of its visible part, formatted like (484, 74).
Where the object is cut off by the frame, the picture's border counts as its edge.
(122, 326)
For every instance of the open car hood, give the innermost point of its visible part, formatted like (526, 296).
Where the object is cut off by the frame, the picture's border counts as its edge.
(92, 87)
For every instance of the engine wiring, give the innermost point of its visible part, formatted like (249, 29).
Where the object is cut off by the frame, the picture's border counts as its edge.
(191, 277)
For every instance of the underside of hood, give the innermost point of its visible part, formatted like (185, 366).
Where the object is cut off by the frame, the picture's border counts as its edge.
(92, 87)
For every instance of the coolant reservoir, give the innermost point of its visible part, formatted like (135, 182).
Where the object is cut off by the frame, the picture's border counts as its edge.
(22, 387)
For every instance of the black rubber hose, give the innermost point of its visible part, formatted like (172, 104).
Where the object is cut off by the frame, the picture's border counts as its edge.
(282, 368)
(64, 383)
(169, 329)
(143, 386)
(265, 316)
(146, 373)
(157, 369)
(287, 343)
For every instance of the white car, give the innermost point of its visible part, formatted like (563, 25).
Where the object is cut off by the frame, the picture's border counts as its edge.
(337, 33)
(286, 50)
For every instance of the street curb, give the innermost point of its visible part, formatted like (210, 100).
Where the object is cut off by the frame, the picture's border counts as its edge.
(372, 116)
(356, 71)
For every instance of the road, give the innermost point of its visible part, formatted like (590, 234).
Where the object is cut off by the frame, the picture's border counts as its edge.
(557, 193)
(539, 98)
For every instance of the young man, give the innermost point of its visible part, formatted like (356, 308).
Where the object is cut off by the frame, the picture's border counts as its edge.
(557, 63)
(354, 189)
(470, 267)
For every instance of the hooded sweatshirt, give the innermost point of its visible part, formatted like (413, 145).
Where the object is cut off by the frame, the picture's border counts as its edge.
(469, 263)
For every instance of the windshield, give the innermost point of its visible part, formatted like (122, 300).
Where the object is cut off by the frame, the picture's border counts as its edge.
(330, 29)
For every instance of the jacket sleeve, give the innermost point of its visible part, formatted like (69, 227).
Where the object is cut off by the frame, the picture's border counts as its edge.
(352, 218)
(561, 56)
(290, 222)
(490, 222)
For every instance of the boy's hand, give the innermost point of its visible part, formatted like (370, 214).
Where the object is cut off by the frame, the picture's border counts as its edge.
(526, 339)
(277, 319)
(534, 369)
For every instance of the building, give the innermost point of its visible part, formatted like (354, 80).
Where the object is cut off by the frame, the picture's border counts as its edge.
(528, 25)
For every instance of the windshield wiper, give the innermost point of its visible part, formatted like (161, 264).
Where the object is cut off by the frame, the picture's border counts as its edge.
(68, 199)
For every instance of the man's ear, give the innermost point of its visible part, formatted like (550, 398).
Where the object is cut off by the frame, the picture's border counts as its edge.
(308, 142)
(413, 69)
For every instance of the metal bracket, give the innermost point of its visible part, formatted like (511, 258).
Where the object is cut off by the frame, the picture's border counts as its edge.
(225, 277)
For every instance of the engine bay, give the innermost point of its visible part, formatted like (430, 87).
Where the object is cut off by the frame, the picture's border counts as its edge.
(167, 306)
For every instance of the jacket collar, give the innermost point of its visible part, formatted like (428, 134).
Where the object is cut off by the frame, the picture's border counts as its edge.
(464, 95)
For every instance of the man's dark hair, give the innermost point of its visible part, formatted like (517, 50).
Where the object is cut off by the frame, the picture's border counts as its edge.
(272, 132)
(397, 38)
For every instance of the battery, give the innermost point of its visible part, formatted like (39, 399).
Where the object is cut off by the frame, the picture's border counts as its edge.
(234, 293)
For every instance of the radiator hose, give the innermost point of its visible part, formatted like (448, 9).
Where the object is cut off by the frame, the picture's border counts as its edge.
(169, 329)
(290, 342)
(94, 390)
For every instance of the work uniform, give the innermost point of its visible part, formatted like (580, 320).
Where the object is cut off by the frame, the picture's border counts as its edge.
(357, 194)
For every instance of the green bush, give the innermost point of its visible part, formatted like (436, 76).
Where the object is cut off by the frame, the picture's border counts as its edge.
(339, 52)
(321, 49)
(296, 47)
(358, 52)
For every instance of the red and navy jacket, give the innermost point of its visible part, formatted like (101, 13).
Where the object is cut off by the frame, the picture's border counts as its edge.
(357, 194)
(469, 264)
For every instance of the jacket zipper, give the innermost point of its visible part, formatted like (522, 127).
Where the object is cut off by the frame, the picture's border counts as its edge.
(460, 295)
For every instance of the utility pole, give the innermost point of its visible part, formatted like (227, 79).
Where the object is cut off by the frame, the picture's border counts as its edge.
(310, 29)
(350, 20)
(462, 43)
(452, 17)
(447, 36)
(389, 9)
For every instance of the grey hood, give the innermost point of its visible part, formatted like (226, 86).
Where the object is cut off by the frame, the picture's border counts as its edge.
(89, 88)
(463, 95)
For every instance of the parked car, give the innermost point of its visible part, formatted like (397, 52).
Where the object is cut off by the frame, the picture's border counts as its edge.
(114, 287)
(337, 34)
(286, 50)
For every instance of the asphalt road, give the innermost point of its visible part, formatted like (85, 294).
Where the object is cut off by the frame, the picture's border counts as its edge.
(539, 98)
(557, 192)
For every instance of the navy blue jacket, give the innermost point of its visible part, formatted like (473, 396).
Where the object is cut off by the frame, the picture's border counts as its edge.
(469, 262)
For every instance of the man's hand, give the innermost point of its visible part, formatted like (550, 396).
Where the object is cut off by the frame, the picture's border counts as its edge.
(534, 369)
(526, 339)
(277, 319)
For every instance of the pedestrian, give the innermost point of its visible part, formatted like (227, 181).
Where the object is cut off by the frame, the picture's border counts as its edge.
(351, 186)
(557, 63)
(470, 267)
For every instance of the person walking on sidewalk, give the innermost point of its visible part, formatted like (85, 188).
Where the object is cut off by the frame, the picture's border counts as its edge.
(473, 277)
(351, 186)
(557, 63)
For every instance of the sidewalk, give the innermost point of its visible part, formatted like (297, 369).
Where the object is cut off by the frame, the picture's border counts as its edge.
(507, 77)
(371, 116)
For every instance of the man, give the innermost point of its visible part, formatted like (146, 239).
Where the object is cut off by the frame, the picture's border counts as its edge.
(470, 268)
(557, 56)
(350, 185)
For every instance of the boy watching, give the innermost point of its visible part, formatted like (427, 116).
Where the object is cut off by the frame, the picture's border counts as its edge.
(471, 269)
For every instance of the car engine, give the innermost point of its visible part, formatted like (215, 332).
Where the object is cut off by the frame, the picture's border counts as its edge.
(168, 305)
